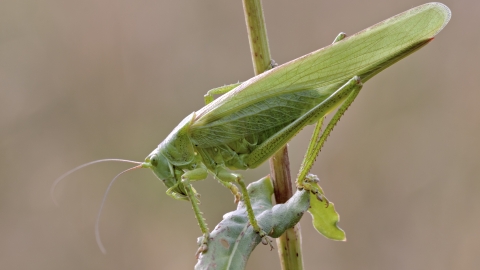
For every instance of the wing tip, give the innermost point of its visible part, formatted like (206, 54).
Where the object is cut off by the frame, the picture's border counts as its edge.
(444, 12)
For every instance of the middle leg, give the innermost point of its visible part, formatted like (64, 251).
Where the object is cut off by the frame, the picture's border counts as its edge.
(228, 177)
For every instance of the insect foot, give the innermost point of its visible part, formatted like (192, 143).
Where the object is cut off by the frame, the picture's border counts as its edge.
(266, 240)
(237, 197)
(203, 245)
(310, 183)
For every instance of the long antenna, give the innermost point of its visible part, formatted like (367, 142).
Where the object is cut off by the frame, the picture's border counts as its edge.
(97, 222)
(59, 179)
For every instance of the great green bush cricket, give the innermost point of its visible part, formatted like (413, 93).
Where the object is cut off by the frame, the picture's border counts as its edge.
(252, 120)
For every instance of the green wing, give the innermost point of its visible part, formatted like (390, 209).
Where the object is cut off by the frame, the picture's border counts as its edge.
(255, 105)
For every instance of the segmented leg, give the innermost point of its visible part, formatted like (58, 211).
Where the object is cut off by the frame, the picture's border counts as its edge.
(177, 191)
(275, 142)
(317, 141)
(219, 91)
(316, 132)
(236, 194)
(172, 192)
(229, 177)
(198, 214)
(183, 190)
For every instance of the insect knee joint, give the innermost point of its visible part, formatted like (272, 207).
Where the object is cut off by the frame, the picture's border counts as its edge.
(184, 180)
(238, 178)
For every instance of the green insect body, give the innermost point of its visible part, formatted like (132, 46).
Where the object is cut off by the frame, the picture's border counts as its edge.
(181, 150)
(251, 121)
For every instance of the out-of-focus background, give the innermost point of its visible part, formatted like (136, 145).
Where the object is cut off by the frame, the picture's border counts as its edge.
(91, 79)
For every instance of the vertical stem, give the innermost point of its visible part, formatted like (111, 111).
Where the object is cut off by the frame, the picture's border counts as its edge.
(257, 35)
(289, 244)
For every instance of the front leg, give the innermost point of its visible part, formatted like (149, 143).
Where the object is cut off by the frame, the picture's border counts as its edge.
(194, 175)
(175, 192)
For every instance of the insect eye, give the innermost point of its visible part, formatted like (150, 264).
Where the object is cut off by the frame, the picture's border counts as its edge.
(154, 161)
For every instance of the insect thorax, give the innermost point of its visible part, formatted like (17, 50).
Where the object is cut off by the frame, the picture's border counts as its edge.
(177, 147)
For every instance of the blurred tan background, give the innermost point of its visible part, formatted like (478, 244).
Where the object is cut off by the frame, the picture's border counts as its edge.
(91, 79)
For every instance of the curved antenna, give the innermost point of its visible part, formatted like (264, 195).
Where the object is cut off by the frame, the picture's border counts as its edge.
(97, 222)
(59, 179)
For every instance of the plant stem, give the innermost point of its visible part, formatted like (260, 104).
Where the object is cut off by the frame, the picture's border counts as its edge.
(257, 35)
(289, 244)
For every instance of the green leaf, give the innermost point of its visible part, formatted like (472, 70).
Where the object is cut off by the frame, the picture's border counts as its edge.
(325, 218)
(233, 239)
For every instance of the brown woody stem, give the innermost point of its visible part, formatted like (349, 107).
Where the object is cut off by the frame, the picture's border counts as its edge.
(289, 244)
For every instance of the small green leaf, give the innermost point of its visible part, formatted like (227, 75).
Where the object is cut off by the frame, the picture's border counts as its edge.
(325, 218)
